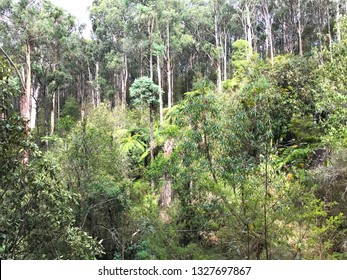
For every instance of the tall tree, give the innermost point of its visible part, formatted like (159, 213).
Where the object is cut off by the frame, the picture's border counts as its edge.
(144, 91)
(110, 26)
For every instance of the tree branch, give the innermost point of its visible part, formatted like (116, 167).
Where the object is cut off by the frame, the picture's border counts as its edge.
(14, 66)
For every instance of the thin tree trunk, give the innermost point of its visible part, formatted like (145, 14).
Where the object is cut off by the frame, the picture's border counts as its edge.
(299, 29)
(25, 101)
(125, 82)
(97, 86)
(168, 65)
(268, 29)
(151, 139)
(52, 114)
(150, 32)
(161, 117)
(80, 95)
(90, 77)
(116, 98)
(47, 110)
(329, 35)
(249, 32)
(320, 27)
(218, 59)
(26, 96)
(284, 29)
(172, 83)
(225, 55)
(33, 107)
(58, 104)
(141, 58)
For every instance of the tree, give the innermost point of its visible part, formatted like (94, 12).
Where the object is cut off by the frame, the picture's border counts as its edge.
(39, 30)
(110, 19)
(144, 91)
(37, 220)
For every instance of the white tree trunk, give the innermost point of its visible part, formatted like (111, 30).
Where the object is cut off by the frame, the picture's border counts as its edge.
(168, 68)
(299, 29)
(249, 32)
(52, 114)
(161, 117)
(218, 47)
(124, 81)
(97, 86)
(33, 107)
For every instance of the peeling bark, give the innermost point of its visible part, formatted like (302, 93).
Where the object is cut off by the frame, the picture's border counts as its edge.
(25, 101)
(166, 191)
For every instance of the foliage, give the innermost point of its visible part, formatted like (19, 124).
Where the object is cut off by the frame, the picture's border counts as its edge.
(143, 90)
(37, 220)
(254, 171)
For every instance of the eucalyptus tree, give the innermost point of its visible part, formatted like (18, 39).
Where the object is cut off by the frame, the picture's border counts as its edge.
(37, 220)
(21, 30)
(34, 30)
(40, 31)
(267, 11)
(49, 65)
(110, 20)
(175, 38)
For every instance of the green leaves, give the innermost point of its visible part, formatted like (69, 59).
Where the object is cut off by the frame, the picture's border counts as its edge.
(37, 214)
(144, 91)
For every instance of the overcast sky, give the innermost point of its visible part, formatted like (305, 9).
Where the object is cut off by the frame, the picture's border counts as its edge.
(78, 8)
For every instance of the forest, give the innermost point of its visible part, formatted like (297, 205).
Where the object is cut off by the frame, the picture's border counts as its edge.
(179, 130)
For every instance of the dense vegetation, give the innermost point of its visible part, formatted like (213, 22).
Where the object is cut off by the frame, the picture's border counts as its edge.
(183, 129)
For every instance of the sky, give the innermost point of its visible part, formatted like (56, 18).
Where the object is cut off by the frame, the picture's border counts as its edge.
(77, 8)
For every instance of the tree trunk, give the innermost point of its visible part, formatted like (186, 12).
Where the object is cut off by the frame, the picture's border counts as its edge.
(166, 192)
(90, 82)
(25, 100)
(97, 86)
(116, 98)
(284, 29)
(161, 117)
(26, 95)
(249, 32)
(329, 35)
(218, 59)
(47, 110)
(80, 95)
(168, 65)
(52, 114)
(268, 31)
(150, 32)
(33, 107)
(151, 139)
(58, 104)
(299, 29)
(124, 81)
(225, 57)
